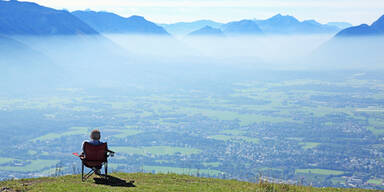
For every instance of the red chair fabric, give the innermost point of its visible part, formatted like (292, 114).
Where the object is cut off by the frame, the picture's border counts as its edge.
(95, 155)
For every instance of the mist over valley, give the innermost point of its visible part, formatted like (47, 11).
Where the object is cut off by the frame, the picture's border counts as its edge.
(283, 99)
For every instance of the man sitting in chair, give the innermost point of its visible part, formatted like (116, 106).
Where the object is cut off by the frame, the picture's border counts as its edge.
(95, 141)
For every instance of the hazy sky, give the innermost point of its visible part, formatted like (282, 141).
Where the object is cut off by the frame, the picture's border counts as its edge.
(167, 11)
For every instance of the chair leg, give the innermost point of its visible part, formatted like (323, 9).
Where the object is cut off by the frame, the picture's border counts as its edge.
(106, 170)
(89, 174)
(86, 176)
(82, 171)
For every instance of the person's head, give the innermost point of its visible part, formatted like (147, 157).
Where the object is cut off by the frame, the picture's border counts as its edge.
(95, 134)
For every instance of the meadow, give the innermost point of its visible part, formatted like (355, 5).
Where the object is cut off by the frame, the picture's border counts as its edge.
(326, 129)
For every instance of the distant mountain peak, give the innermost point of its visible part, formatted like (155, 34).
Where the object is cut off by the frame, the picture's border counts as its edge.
(242, 27)
(244, 21)
(282, 20)
(137, 17)
(277, 15)
(185, 28)
(313, 22)
(207, 31)
(376, 29)
(28, 18)
(280, 16)
(207, 27)
(106, 22)
(287, 24)
(361, 30)
(90, 10)
(363, 25)
(379, 24)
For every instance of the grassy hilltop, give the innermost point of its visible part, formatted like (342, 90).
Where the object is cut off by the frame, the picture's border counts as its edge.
(154, 182)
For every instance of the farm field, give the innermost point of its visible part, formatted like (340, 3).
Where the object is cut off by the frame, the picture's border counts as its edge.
(329, 129)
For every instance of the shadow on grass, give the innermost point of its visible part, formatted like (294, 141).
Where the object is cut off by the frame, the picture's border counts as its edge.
(113, 181)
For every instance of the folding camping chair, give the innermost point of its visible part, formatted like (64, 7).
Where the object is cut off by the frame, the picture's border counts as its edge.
(95, 156)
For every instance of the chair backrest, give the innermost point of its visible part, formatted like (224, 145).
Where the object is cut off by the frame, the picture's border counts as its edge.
(95, 152)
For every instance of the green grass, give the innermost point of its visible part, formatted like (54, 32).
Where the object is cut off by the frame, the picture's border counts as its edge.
(376, 122)
(266, 169)
(156, 150)
(233, 132)
(179, 170)
(221, 137)
(162, 161)
(126, 133)
(32, 152)
(245, 119)
(375, 181)
(48, 172)
(337, 180)
(212, 164)
(372, 110)
(319, 171)
(72, 131)
(249, 139)
(4, 160)
(234, 138)
(146, 182)
(309, 145)
(376, 131)
(295, 138)
(30, 166)
(376, 126)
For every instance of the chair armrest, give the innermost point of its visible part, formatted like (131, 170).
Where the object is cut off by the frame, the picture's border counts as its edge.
(110, 151)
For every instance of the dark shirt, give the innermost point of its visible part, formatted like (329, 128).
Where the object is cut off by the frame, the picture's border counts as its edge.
(92, 142)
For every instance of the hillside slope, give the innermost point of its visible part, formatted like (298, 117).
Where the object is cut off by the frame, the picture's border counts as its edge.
(364, 30)
(153, 182)
(26, 18)
(354, 48)
(243, 27)
(184, 28)
(106, 22)
(286, 24)
(207, 31)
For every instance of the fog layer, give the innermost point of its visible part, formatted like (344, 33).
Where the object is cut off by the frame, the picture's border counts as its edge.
(133, 60)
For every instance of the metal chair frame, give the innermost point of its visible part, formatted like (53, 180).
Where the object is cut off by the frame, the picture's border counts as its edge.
(84, 177)
(103, 162)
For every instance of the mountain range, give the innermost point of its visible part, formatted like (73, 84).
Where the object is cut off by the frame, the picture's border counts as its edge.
(40, 42)
(184, 28)
(377, 28)
(243, 27)
(277, 24)
(354, 47)
(341, 25)
(26, 18)
(10, 50)
(280, 24)
(30, 19)
(21, 65)
(105, 22)
(207, 31)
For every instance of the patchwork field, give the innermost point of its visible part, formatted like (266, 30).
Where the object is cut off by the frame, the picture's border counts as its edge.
(282, 125)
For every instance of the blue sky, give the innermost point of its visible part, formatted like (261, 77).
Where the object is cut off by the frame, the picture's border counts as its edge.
(168, 11)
